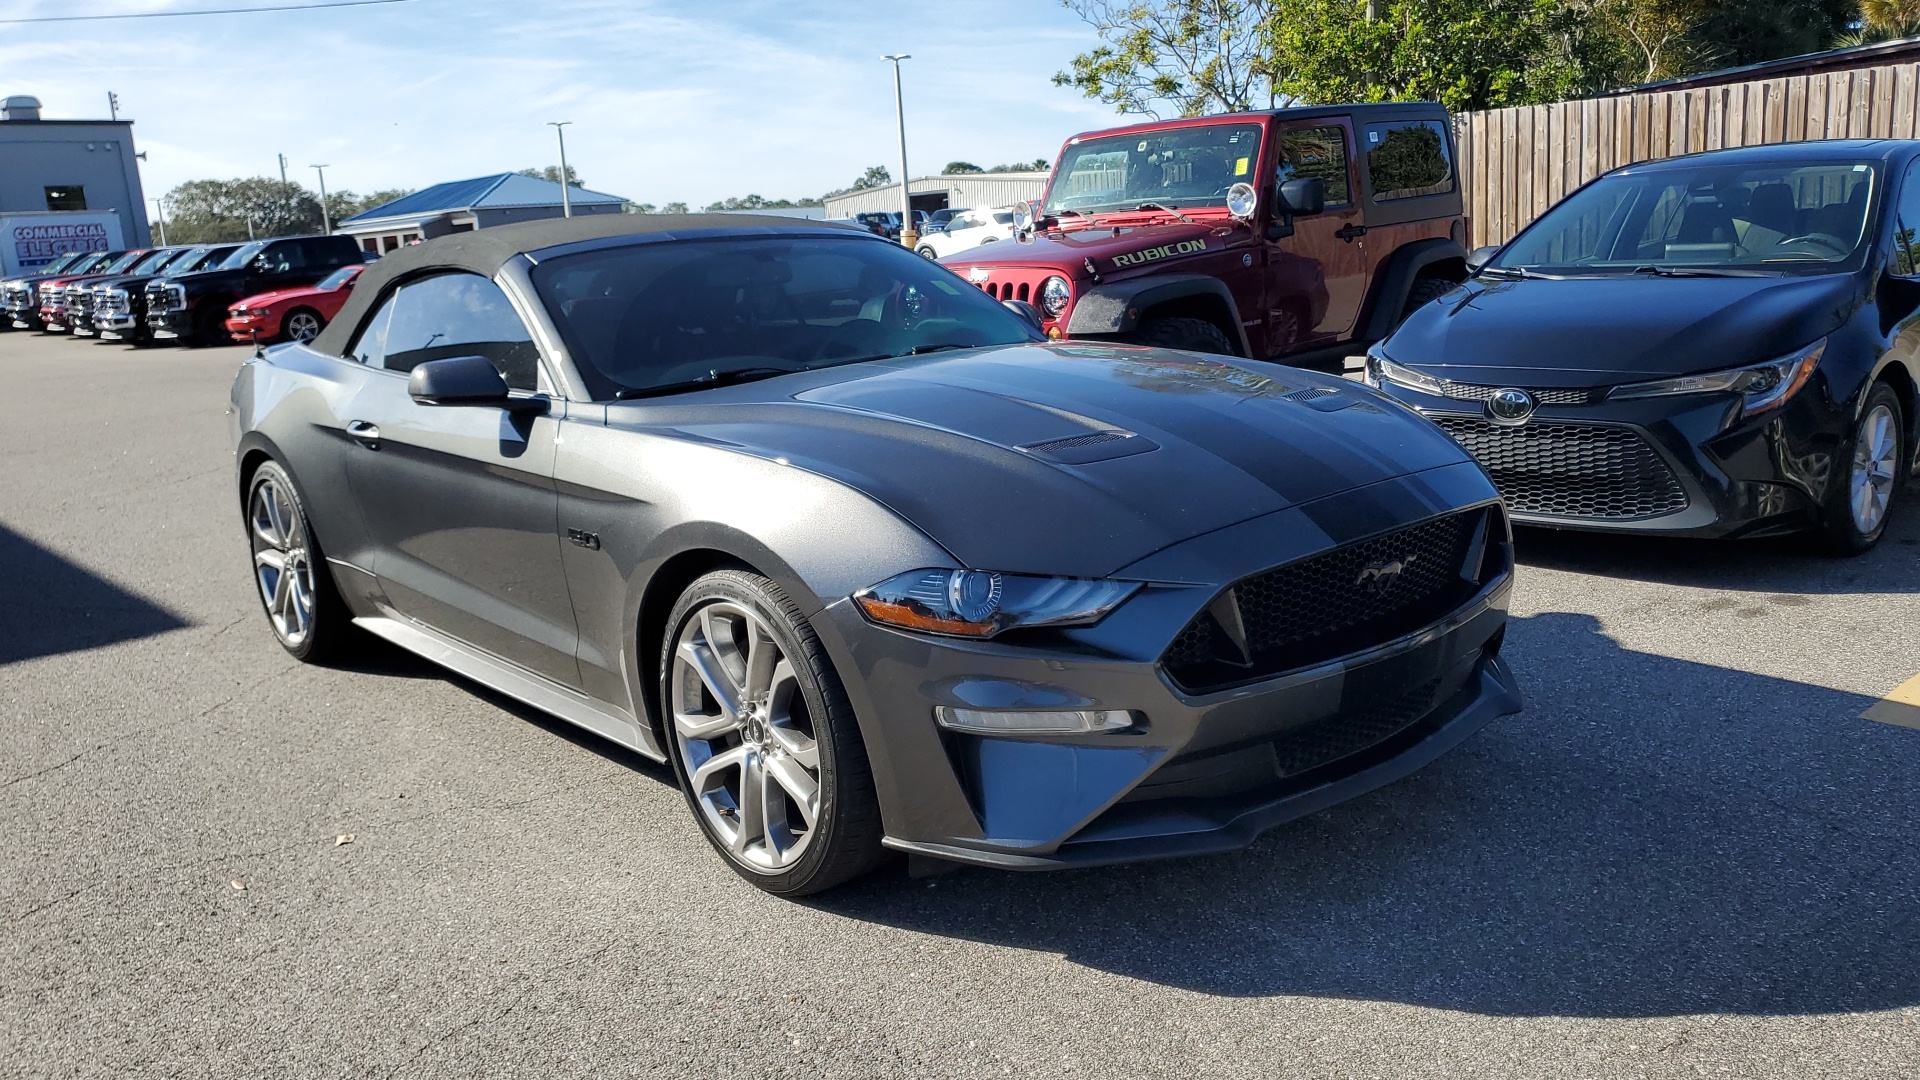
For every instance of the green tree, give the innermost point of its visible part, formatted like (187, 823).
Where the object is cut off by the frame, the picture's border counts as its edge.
(755, 202)
(1184, 57)
(552, 172)
(1036, 165)
(210, 211)
(961, 168)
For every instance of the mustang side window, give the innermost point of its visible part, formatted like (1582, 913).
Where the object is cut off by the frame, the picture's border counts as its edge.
(460, 315)
(370, 344)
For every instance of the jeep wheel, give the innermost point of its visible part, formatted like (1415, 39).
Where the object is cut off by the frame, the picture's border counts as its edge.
(1192, 335)
(1425, 290)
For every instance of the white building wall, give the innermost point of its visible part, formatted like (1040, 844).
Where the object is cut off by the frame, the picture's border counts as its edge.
(967, 191)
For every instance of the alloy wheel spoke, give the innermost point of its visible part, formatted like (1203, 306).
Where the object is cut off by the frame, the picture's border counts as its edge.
(753, 801)
(797, 745)
(802, 790)
(714, 675)
(762, 657)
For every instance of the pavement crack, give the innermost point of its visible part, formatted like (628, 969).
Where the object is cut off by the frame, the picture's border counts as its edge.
(31, 912)
(54, 768)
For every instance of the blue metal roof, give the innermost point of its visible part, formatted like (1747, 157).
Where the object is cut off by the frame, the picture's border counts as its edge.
(485, 192)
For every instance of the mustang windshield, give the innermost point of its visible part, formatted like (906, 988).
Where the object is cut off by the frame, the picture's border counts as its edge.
(338, 277)
(1178, 168)
(1793, 216)
(652, 316)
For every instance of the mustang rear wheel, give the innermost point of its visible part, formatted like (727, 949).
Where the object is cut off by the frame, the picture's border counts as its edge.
(307, 615)
(1860, 494)
(765, 743)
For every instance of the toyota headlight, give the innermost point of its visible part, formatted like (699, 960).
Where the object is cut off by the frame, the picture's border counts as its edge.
(1760, 386)
(1381, 371)
(980, 604)
(1055, 293)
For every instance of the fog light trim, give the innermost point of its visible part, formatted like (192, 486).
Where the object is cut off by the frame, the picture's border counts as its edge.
(1012, 722)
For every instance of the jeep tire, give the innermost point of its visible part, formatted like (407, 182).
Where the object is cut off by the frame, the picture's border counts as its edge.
(1192, 335)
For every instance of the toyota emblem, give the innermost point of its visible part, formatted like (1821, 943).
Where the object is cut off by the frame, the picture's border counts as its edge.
(1510, 406)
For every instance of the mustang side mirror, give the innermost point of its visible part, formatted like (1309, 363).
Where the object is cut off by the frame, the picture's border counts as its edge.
(467, 380)
(1024, 310)
(1480, 256)
(1302, 196)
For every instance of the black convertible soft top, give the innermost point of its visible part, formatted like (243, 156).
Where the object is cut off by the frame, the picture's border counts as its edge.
(485, 251)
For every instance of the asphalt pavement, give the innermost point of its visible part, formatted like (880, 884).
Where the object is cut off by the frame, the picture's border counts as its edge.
(1689, 857)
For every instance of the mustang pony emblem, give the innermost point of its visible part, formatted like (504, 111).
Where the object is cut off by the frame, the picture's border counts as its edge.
(1380, 576)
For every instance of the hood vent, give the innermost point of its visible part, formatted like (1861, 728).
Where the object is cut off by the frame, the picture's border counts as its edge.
(1322, 398)
(1091, 447)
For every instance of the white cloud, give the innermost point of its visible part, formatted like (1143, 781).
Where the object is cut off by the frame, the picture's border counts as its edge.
(679, 100)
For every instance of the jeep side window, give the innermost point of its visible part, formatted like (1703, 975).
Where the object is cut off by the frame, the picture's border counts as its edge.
(1408, 159)
(1317, 151)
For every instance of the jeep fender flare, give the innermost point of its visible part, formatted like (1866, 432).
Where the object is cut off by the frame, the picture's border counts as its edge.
(1396, 281)
(1117, 307)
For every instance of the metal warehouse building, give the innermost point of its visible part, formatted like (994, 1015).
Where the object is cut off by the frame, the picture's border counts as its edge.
(465, 205)
(965, 191)
(70, 165)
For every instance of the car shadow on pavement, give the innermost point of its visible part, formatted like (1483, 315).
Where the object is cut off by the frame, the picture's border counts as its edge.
(50, 606)
(1652, 837)
(1790, 564)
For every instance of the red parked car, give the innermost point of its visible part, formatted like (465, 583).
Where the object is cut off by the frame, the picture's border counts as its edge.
(292, 314)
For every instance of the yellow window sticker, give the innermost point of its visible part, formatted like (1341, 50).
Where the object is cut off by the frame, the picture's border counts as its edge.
(1240, 167)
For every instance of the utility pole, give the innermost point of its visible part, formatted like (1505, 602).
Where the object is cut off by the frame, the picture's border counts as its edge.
(161, 205)
(566, 198)
(909, 236)
(283, 168)
(113, 105)
(326, 219)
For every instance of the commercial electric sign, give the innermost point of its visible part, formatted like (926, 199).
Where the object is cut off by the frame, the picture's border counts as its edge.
(37, 245)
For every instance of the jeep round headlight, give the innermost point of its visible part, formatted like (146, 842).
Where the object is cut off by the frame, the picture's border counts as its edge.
(1054, 295)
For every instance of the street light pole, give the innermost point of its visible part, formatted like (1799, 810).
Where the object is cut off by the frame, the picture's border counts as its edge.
(566, 198)
(909, 236)
(326, 219)
(160, 204)
(283, 168)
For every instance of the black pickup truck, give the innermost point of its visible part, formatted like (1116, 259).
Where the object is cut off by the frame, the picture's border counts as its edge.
(193, 307)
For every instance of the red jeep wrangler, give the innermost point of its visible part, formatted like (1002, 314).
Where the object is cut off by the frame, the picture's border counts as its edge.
(1297, 234)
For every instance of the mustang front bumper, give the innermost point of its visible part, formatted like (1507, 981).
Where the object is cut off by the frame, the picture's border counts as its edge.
(1201, 772)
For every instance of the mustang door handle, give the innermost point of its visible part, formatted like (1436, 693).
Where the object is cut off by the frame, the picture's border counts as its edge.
(1349, 232)
(365, 434)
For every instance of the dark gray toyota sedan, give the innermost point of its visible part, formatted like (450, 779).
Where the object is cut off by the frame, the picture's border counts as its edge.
(868, 560)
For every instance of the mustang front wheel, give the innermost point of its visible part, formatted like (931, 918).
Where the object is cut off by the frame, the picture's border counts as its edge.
(306, 613)
(303, 325)
(765, 743)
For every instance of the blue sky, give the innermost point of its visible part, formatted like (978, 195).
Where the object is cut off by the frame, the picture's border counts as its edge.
(670, 99)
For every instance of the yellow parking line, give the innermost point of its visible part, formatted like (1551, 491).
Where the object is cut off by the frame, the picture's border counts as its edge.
(1902, 707)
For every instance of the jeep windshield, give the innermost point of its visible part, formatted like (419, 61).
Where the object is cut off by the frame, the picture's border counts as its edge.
(1697, 220)
(1180, 168)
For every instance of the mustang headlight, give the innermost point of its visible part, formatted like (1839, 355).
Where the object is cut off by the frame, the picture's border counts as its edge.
(1760, 386)
(980, 604)
(1054, 295)
(1381, 371)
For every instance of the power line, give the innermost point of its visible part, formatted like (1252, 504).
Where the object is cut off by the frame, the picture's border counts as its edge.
(208, 11)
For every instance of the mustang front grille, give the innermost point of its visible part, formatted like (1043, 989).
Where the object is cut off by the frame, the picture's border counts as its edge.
(1572, 470)
(1339, 602)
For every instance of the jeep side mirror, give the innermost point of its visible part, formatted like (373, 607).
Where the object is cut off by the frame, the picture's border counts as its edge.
(1303, 196)
(1481, 256)
(467, 380)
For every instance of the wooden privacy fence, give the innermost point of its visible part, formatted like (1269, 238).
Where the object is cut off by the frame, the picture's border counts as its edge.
(1515, 163)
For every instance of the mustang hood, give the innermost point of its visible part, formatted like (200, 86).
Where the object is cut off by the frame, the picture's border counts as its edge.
(1070, 249)
(266, 298)
(1125, 450)
(1597, 331)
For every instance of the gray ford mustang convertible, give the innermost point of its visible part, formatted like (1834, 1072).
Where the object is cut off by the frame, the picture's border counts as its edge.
(871, 562)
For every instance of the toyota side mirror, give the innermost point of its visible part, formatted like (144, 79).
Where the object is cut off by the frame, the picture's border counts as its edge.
(467, 380)
(1481, 256)
(1303, 196)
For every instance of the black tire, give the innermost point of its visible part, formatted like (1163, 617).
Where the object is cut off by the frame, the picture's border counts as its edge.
(1841, 532)
(926, 252)
(779, 730)
(302, 324)
(1192, 335)
(329, 634)
(1424, 291)
(210, 326)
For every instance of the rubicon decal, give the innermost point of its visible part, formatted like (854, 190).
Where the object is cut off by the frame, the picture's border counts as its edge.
(1164, 251)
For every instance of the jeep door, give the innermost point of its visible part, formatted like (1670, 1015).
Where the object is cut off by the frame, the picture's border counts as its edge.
(1317, 277)
(459, 500)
